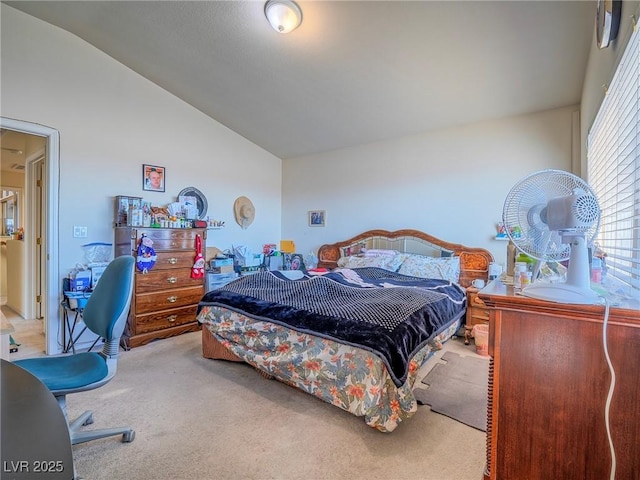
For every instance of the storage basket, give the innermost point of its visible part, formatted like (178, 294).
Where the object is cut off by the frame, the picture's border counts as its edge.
(77, 300)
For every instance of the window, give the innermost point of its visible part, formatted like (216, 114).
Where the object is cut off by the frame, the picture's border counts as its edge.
(613, 163)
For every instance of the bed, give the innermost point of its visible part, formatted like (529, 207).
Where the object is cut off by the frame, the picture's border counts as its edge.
(395, 297)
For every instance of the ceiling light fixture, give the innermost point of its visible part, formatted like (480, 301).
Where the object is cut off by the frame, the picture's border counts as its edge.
(15, 151)
(283, 15)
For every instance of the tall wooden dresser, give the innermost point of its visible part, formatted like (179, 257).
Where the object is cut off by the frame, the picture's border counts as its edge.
(166, 297)
(548, 387)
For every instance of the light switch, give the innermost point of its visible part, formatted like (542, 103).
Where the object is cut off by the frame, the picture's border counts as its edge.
(79, 231)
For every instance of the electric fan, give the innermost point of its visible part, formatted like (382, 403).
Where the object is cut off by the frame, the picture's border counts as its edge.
(553, 215)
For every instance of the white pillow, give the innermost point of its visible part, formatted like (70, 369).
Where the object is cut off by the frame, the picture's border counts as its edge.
(447, 268)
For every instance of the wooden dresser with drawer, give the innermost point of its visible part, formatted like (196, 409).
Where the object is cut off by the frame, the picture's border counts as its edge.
(165, 298)
(554, 409)
(477, 313)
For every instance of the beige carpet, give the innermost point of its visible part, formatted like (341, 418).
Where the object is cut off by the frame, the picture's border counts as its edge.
(204, 419)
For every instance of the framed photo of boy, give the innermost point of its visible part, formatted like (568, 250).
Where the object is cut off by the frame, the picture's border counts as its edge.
(153, 178)
(317, 218)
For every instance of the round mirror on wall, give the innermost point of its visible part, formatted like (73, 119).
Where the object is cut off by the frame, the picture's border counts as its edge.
(201, 200)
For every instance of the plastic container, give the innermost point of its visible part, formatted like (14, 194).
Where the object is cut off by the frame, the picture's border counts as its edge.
(525, 279)
(77, 299)
(480, 333)
(97, 252)
(596, 270)
(519, 268)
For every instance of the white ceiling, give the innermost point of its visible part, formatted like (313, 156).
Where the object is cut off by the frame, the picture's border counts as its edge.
(353, 72)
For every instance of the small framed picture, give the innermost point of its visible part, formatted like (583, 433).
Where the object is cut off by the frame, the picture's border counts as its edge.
(293, 261)
(317, 218)
(153, 178)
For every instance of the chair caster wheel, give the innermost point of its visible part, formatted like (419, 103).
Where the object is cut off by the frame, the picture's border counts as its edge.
(128, 437)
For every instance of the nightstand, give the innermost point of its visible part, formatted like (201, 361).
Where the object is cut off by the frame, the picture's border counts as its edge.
(477, 312)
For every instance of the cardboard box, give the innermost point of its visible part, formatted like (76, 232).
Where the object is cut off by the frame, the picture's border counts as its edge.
(287, 246)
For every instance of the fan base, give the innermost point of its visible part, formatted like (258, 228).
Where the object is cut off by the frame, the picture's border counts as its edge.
(562, 293)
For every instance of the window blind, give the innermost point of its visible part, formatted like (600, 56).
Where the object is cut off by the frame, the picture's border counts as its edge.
(613, 168)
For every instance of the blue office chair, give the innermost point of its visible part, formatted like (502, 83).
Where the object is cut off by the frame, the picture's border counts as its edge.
(105, 314)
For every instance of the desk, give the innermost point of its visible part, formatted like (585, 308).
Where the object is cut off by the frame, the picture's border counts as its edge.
(35, 435)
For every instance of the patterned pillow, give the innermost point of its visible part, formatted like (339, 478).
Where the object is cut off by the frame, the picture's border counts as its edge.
(431, 267)
(396, 261)
(387, 262)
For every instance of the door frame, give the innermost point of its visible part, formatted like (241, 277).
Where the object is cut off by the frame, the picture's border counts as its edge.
(34, 164)
(51, 292)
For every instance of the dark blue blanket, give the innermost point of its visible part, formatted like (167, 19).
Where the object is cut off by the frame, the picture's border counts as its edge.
(389, 314)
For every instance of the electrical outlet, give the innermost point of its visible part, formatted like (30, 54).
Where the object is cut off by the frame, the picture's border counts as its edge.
(79, 231)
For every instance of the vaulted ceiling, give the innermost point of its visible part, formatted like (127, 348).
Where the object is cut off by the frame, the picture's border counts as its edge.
(354, 72)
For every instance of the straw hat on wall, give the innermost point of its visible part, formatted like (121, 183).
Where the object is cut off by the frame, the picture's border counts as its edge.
(244, 211)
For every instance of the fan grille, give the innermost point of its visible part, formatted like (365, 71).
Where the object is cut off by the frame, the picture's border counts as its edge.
(524, 205)
(587, 209)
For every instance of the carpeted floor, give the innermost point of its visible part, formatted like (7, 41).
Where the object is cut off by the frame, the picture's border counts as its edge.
(457, 388)
(201, 419)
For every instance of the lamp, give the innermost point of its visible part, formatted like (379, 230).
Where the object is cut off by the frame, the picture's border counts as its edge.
(283, 15)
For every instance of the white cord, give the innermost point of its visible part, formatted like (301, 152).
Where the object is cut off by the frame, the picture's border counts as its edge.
(612, 385)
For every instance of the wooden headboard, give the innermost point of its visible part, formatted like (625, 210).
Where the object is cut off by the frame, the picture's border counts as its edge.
(474, 262)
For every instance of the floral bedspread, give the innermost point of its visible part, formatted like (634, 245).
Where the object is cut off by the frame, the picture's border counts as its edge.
(348, 377)
(389, 314)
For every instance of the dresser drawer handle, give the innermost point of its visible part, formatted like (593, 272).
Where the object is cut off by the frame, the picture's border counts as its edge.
(172, 318)
(172, 279)
(173, 260)
(477, 301)
(173, 244)
(172, 299)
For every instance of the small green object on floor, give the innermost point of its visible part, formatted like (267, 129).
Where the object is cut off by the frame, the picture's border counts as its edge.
(13, 346)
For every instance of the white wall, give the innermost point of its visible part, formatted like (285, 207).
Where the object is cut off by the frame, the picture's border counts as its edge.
(450, 183)
(111, 121)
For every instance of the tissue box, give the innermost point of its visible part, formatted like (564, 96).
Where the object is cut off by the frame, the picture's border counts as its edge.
(81, 282)
(96, 273)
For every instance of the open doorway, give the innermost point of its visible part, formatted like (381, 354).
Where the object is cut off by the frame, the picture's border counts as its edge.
(40, 269)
